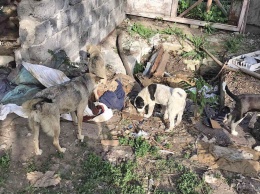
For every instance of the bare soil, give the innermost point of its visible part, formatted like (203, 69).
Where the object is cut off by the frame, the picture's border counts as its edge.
(16, 137)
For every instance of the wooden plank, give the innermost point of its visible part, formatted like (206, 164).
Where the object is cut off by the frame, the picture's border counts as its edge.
(243, 26)
(174, 8)
(190, 8)
(187, 21)
(242, 14)
(157, 61)
(162, 65)
(221, 7)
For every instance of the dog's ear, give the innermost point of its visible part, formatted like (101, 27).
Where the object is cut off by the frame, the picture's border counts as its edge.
(152, 90)
(139, 102)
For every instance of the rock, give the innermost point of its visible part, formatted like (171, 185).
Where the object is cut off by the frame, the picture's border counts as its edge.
(194, 26)
(119, 154)
(192, 64)
(4, 60)
(217, 182)
(110, 142)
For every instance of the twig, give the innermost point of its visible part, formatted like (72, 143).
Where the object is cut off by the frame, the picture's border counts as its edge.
(223, 67)
(253, 74)
(159, 145)
(217, 61)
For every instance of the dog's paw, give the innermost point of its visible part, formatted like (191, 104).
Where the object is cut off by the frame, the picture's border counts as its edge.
(235, 133)
(62, 150)
(146, 116)
(38, 152)
(168, 130)
(81, 137)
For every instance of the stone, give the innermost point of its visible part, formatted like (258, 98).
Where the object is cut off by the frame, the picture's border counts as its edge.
(192, 64)
(119, 154)
(4, 60)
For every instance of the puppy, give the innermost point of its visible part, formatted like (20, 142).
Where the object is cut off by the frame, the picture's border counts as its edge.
(45, 108)
(172, 99)
(244, 103)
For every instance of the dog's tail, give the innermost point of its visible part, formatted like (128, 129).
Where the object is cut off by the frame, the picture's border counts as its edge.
(30, 105)
(227, 91)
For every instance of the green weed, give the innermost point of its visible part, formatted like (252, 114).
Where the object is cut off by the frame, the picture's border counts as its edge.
(103, 177)
(4, 166)
(173, 31)
(198, 96)
(139, 67)
(141, 146)
(233, 43)
(190, 183)
(197, 53)
(143, 31)
(199, 12)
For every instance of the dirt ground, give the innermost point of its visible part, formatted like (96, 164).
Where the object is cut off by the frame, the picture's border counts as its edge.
(182, 144)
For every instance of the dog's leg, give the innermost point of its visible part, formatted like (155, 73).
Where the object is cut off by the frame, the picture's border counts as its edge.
(150, 111)
(253, 120)
(56, 142)
(80, 111)
(74, 118)
(234, 125)
(165, 113)
(36, 130)
(179, 118)
(172, 116)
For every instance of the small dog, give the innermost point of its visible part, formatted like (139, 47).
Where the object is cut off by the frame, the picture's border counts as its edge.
(244, 103)
(45, 108)
(172, 99)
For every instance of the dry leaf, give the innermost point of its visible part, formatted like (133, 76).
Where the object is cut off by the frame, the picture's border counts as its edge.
(38, 179)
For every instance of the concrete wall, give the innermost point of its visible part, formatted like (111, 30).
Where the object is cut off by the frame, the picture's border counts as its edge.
(253, 17)
(64, 24)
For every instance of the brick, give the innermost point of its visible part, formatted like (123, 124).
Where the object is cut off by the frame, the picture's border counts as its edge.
(162, 65)
(42, 31)
(76, 13)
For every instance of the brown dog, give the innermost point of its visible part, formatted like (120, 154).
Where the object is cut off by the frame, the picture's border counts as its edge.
(45, 108)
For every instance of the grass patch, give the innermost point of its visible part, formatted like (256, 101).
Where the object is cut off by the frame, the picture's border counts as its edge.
(103, 177)
(5, 161)
(233, 43)
(197, 53)
(143, 31)
(141, 146)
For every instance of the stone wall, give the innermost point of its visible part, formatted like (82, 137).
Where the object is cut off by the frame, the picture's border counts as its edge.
(64, 24)
(253, 17)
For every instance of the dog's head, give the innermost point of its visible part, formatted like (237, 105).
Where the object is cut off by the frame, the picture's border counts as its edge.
(139, 104)
(92, 50)
(146, 95)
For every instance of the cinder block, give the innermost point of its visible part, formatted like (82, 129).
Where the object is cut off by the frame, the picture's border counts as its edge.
(76, 12)
(42, 31)
(61, 5)
(27, 31)
(74, 2)
(94, 30)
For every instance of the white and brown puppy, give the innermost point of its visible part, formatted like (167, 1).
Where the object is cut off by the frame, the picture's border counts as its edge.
(173, 101)
(244, 103)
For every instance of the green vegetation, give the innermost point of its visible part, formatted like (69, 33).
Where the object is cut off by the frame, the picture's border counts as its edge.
(141, 146)
(198, 95)
(197, 53)
(139, 67)
(4, 166)
(199, 12)
(103, 177)
(233, 43)
(143, 31)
